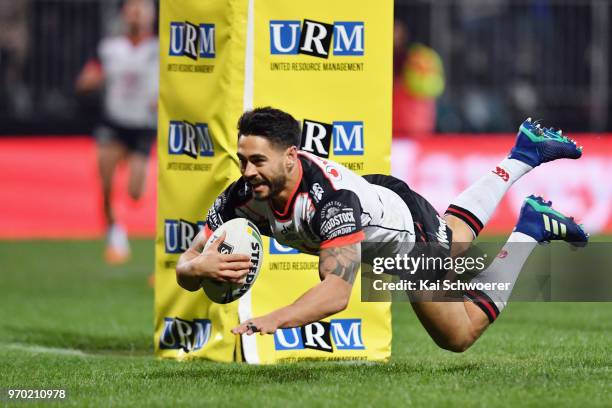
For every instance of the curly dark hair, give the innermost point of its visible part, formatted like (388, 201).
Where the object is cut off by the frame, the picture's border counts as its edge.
(280, 128)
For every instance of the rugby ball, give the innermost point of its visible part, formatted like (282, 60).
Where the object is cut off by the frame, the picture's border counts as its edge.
(242, 237)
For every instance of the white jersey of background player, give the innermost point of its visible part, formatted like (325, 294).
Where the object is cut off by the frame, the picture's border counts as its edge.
(131, 88)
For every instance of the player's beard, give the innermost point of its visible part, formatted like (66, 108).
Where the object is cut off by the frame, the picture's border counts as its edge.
(275, 185)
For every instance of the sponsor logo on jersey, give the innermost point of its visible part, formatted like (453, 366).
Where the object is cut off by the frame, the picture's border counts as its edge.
(333, 172)
(347, 137)
(337, 220)
(189, 139)
(214, 217)
(192, 40)
(441, 234)
(316, 38)
(178, 235)
(316, 191)
(339, 334)
(286, 229)
(502, 254)
(188, 335)
(279, 249)
(503, 174)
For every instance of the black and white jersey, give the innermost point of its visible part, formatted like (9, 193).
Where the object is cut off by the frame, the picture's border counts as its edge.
(331, 206)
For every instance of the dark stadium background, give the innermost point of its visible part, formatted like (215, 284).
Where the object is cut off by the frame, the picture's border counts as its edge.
(512, 57)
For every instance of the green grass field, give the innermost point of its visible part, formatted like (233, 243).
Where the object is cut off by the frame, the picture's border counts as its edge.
(69, 321)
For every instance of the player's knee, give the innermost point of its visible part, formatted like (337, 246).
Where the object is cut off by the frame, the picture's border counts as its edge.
(135, 193)
(136, 188)
(457, 347)
(456, 343)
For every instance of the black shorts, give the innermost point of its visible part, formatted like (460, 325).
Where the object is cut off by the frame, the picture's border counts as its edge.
(135, 139)
(433, 236)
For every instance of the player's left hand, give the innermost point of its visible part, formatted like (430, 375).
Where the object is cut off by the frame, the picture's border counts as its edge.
(264, 325)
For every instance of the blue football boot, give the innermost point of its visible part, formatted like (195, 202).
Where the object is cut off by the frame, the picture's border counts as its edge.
(536, 145)
(544, 224)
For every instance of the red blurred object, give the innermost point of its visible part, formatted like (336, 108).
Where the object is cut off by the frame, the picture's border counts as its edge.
(413, 117)
(442, 166)
(50, 188)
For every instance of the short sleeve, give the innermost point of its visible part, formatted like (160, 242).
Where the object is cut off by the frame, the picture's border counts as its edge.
(338, 220)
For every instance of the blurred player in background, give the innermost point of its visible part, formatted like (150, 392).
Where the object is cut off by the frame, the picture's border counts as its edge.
(418, 80)
(126, 71)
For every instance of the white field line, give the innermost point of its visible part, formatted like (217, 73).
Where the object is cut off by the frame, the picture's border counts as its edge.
(32, 348)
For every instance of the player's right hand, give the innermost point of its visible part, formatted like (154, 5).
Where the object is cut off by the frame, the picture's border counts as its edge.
(211, 264)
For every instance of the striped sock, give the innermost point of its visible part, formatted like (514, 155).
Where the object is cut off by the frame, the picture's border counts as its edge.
(505, 268)
(476, 205)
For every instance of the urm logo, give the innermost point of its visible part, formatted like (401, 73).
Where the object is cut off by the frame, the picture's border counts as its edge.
(189, 139)
(347, 138)
(178, 235)
(314, 38)
(345, 333)
(279, 249)
(189, 335)
(193, 41)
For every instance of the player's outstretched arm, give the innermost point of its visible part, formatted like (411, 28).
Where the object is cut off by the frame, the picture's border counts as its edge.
(196, 264)
(338, 269)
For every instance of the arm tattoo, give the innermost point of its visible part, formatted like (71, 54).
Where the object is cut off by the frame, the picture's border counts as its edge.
(342, 261)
